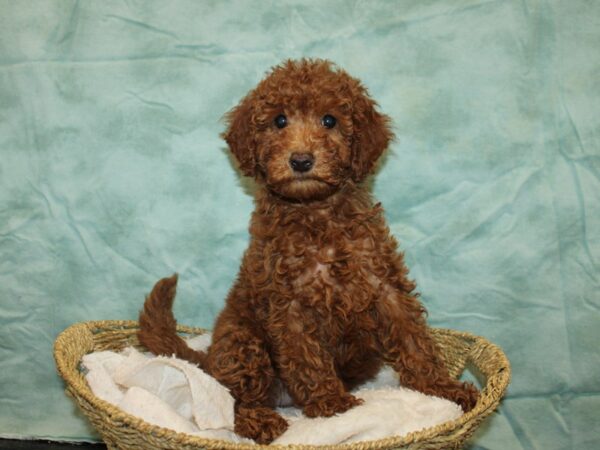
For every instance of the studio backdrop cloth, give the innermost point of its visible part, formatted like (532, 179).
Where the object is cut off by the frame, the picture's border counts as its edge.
(113, 175)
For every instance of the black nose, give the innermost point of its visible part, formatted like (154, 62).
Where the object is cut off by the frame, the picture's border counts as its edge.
(302, 162)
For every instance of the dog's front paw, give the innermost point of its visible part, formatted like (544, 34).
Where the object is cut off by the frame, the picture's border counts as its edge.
(261, 424)
(328, 406)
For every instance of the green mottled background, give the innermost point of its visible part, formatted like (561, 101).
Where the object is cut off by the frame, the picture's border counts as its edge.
(112, 175)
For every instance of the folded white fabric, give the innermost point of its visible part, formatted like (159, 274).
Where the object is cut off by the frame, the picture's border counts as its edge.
(175, 394)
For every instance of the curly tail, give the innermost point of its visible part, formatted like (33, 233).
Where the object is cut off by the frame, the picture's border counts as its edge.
(158, 327)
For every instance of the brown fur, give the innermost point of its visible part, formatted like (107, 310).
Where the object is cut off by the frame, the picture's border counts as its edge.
(322, 298)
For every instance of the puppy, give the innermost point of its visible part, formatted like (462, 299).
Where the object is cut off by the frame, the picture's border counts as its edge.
(322, 299)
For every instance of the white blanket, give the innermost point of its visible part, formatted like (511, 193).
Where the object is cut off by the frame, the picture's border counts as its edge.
(177, 395)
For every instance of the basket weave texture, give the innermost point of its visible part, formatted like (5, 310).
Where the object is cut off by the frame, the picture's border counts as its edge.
(124, 431)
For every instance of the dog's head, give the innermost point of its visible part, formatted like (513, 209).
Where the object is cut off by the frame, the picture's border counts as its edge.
(306, 129)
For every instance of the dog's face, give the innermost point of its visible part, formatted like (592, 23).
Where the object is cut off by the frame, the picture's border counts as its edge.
(307, 129)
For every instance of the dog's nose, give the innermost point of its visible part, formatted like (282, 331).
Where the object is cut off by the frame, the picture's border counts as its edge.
(302, 162)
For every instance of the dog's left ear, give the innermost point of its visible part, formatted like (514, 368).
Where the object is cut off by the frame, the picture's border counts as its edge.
(371, 132)
(240, 135)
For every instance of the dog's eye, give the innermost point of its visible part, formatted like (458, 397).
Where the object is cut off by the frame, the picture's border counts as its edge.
(328, 121)
(280, 121)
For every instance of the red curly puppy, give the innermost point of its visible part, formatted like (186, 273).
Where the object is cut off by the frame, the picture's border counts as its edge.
(322, 298)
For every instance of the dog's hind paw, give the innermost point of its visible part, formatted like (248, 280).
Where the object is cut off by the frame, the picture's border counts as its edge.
(467, 396)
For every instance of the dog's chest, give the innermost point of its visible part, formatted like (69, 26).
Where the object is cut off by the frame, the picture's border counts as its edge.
(335, 261)
(329, 270)
(331, 263)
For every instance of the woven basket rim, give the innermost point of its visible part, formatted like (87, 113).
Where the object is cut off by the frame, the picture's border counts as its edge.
(491, 393)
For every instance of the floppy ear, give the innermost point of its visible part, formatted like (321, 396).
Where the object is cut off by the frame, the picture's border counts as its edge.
(240, 135)
(371, 133)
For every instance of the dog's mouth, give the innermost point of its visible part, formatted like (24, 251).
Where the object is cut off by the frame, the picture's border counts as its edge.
(303, 188)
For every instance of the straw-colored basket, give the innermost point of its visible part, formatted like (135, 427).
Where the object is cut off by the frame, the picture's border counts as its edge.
(124, 431)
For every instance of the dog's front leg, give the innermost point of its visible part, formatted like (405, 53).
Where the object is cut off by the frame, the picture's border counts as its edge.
(238, 359)
(305, 365)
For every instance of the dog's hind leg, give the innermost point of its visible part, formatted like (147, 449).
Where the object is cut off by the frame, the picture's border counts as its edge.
(407, 346)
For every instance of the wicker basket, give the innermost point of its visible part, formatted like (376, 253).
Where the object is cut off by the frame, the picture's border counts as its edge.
(124, 431)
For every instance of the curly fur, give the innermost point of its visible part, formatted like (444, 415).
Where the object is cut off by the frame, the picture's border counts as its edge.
(322, 298)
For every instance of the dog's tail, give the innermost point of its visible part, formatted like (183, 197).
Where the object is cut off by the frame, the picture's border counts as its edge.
(158, 327)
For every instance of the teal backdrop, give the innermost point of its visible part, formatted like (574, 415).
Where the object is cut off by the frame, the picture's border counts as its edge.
(113, 175)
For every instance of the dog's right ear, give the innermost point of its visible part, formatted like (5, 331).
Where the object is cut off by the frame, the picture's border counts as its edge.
(241, 135)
